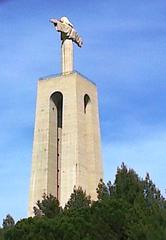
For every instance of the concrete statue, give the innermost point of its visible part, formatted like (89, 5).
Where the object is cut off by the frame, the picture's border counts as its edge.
(68, 36)
(67, 30)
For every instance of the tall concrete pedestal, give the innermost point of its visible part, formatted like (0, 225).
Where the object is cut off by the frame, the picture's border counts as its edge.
(66, 149)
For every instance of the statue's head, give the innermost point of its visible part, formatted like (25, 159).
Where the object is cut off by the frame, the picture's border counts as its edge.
(66, 21)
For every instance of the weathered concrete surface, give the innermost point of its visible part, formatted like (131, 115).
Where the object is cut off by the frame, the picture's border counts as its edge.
(67, 56)
(80, 150)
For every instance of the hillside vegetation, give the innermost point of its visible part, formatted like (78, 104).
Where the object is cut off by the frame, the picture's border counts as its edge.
(129, 209)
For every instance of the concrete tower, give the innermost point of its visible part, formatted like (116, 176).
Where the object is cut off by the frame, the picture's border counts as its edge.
(66, 148)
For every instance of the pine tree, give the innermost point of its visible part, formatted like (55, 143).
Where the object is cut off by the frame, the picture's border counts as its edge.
(78, 199)
(49, 207)
(8, 222)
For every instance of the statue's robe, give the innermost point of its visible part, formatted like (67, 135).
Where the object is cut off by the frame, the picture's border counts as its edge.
(67, 32)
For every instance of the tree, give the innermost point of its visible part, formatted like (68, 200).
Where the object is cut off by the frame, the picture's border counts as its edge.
(152, 194)
(78, 199)
(129, 209)
(1, 234)
(102, 191)
(8, 222)
(128, 185)
(49, 207)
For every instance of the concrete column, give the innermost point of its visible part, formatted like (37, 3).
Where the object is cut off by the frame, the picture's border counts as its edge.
(67, 56)
(74, 160)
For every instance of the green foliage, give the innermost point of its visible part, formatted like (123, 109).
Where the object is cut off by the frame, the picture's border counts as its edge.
(49, 207)
(102, 191)
(78, 199)
(8, 222)
(1, 234)
(129, 209)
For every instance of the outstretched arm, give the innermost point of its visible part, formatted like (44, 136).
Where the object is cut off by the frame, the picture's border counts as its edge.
(53, 20)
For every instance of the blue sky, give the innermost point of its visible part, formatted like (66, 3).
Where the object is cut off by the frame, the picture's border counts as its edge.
(124, 53)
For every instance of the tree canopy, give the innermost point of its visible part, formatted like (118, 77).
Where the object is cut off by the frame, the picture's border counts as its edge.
(49, 207)
(8, 222)
(131, 208)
